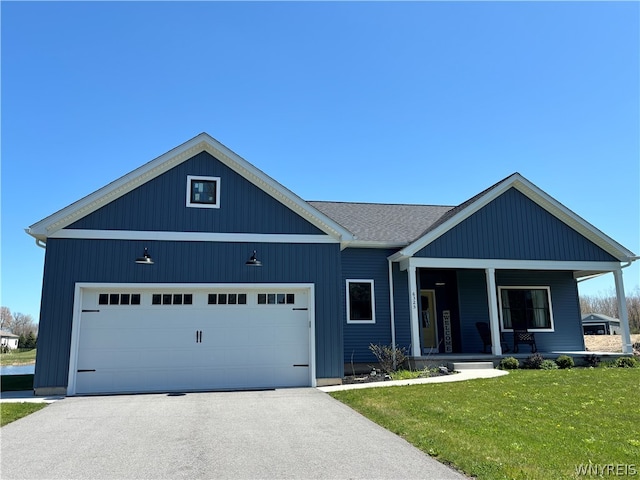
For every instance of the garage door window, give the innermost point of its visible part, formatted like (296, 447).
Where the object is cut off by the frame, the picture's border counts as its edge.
(276, 299)
(172, 299)
(119, 299)
(227, 299)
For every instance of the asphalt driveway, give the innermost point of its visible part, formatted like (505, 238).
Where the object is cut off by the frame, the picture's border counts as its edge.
(288, 433)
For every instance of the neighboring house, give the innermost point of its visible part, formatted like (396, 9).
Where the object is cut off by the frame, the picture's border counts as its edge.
(599, 324)
(198, 271)
(9, 340)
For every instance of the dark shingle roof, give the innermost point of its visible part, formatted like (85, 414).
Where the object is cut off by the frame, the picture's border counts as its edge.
(378, 222)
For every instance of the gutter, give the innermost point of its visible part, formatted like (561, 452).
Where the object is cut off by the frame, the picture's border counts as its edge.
(630, 260)
(39, 242)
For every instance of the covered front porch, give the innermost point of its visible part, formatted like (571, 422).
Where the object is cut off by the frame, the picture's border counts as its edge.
(450, 297)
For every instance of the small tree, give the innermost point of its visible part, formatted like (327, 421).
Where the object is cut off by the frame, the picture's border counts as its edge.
(30, 341)
(388, 357)
(21, 341)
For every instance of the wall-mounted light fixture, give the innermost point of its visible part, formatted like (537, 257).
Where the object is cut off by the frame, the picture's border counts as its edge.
(440, 284)
(253, 261)
(145, 259)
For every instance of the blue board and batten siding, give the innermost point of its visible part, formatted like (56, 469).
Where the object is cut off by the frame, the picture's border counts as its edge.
(160, 205)
(367, 264)
(514, 227)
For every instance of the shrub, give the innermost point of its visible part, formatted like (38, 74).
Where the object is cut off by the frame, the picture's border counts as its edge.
(625, 362)
(591, 360)
(385, 356)
(548, 365)
(564, 361)
(534, 361)
(509, 363)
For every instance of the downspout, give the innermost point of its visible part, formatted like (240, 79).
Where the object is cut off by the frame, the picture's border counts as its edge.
(40, 243)
(393, 316)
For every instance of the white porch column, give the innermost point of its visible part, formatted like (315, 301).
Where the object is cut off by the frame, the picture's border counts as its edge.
(416, 351)
(494, 322)
(622, 312)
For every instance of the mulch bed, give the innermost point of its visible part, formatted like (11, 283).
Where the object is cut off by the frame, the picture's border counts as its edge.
(383, 377)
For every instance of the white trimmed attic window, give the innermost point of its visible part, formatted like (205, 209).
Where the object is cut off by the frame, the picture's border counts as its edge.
(203, 192)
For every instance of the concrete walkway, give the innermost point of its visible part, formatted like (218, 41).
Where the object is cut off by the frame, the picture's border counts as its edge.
(461, 376)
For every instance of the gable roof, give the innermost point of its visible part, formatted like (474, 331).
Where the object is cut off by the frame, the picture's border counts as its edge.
(463, 211)
(4, 333)
(598, 317)
(385, 225)
(203, 142)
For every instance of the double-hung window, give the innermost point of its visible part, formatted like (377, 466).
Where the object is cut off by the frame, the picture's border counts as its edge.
(360, 301)
(526, 307)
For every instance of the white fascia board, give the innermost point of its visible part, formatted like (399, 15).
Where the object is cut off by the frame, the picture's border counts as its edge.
(536, 195)
(191, 236)
(203, 142)
(502, 264)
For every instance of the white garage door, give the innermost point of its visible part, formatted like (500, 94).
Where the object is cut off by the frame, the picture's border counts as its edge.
(172, 339)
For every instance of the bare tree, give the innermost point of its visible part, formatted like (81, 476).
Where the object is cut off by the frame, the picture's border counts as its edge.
(6, 318)
(23, 324)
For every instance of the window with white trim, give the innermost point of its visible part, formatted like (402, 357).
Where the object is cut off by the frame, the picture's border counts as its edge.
(360, 301)
(203, 192)
(526, 307)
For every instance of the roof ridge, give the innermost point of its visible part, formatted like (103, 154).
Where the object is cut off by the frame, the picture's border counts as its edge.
(382, 203)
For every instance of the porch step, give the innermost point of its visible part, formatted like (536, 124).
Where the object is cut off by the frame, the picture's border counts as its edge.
(472, 366)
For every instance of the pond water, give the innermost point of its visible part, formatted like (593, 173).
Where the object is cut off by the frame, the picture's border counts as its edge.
(17, 369)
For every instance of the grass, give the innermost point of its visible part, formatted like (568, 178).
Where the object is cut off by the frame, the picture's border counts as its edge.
(10, 412)
(24, 357)
(530, 424)
(16, 383)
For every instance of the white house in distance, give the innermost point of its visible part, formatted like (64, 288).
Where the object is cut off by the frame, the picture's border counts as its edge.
(8, 339)
(599, 324)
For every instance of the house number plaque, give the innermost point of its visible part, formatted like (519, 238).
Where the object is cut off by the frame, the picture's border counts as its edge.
(446, 323)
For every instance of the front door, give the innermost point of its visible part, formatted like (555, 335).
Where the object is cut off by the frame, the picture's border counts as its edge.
(428, 322)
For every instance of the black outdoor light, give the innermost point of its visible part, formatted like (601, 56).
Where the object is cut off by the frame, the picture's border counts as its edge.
(145, 259)
(253, 261)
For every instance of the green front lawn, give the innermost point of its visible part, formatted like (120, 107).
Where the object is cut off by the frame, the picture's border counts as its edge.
(10, 412)
(530, 424)
(22, 357)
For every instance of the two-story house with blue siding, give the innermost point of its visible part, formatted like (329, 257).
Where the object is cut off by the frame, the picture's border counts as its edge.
(197, 271)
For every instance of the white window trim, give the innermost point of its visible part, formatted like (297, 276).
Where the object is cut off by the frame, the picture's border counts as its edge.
(206, 179)
(521, 287)
(373, 301)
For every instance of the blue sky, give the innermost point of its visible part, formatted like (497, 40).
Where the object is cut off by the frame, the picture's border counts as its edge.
(405, 102)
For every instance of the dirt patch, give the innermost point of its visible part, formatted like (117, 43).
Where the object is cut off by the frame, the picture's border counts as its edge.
(606, 343)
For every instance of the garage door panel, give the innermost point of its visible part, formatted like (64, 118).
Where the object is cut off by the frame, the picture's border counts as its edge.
(136, 348)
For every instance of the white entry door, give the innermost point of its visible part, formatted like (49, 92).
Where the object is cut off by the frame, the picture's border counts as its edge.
(175, 339)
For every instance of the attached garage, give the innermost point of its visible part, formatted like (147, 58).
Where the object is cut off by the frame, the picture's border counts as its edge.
(157, 338)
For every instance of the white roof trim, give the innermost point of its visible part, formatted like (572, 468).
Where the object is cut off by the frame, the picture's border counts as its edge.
(190, 236)
(203, 142)
(536, 195)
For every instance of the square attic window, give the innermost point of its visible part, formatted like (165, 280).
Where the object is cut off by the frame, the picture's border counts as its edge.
(203, 192)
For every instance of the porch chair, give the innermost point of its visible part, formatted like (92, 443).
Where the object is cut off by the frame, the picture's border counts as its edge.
(523, 336)
(485, 335)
